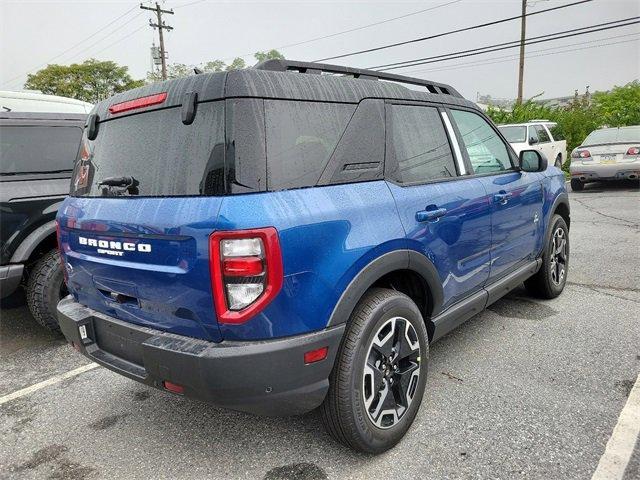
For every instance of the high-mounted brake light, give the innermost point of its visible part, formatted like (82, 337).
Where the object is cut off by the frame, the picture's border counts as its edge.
(581, 154)
(633, 151)
(246, 272)
(138, 103)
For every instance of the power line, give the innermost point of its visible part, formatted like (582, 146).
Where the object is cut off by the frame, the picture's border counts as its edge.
(72, 46)
(514, 58)
(369, 25)
(510, 58)
(455, 56)
(451, 32)
(478, 49)
(331, 35)
(121, 39)
(119, 27)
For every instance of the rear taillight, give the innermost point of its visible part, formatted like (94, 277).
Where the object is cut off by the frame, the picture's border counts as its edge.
(246, 272)
(138, 103)
(60, 250)
(581, 154)
(633, 151)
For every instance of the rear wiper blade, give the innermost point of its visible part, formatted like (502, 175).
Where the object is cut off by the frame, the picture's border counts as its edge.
(119, 185)
(119, 182)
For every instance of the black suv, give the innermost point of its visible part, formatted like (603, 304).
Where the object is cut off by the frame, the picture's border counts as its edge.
(37, 154)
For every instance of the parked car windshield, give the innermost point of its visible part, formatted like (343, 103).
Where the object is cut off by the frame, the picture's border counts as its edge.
(38, 149)
(613, 135)
(514, 134)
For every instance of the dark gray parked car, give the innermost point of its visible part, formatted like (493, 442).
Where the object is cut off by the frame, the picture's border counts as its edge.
(37, 154)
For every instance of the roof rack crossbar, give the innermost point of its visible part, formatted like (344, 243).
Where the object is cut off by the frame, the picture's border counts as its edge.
(279, 65)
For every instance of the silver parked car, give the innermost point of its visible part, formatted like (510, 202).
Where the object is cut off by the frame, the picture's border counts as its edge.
(606, 154)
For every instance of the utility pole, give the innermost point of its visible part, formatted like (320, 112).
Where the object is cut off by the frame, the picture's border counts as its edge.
(160, 26)
(523, 28)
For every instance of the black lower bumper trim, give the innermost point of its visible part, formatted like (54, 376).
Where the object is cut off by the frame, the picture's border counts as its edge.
(267, 377)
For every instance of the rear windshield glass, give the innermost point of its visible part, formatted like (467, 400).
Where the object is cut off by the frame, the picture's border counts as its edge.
(613, 135)
(38, 149)
(301, 136)
(514, 134)
(164, 156)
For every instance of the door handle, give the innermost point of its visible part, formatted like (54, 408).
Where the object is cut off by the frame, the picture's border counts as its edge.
(430, 215)
(502, 198)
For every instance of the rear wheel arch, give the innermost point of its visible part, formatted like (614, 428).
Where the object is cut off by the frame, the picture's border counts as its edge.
(406, 271)
(41, 240)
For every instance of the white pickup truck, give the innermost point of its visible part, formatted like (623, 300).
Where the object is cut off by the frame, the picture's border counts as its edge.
(541, 135)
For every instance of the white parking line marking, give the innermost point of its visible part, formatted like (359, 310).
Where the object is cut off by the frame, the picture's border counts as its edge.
(51, 381)
(623, 439)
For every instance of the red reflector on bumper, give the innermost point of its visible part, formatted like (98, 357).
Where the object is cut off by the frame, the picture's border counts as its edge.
(173, 387)
(316, 355)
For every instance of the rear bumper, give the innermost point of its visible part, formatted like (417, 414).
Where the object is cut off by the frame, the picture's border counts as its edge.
(614, 171)
(10, 277)
(266, 378)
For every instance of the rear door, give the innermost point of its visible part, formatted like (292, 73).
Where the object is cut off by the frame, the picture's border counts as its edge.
(138, 249)
(445, 213)
(545, 145)
(515, 196)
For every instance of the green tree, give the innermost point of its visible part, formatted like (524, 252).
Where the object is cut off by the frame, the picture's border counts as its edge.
(90, 81)
(271, 54)
(620, 106)
(177, 70)
(174, 70)
(237, 64)
(214, 66)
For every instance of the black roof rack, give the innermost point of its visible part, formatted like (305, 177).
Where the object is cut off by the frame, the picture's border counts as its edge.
(359, 73)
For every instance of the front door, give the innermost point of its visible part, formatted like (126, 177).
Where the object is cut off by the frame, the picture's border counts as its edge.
(515, 196)
(445, 213)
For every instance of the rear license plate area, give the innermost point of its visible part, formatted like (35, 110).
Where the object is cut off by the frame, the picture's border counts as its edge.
(119, 341)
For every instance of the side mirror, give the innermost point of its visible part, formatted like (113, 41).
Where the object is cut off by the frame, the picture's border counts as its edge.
(532, 161)
(533, 141)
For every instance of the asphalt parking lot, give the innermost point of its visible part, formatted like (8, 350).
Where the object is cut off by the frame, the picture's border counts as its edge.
(527, 389)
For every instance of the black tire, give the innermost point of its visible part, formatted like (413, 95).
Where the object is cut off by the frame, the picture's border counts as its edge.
(577, 185)
(548, 282)
(344, 412)
(45, 288)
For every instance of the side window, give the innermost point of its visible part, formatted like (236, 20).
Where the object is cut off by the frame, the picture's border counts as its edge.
(301, 136)
(487, 152)
(533, 135)
(420, 144)
(36, 149)
(543, 136)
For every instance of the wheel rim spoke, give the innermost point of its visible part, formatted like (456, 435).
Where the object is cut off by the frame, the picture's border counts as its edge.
(391, 372)
(558, 258)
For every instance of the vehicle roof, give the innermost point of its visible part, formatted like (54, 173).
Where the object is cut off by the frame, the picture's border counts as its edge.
(42, 97)
(76, 117)
(627, 127)
(287, 85)
(526, 124)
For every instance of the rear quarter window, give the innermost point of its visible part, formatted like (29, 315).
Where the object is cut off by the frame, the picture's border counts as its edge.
(301, 137)
(38, 149)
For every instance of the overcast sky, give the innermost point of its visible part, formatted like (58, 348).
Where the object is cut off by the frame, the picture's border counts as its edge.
(36, 33)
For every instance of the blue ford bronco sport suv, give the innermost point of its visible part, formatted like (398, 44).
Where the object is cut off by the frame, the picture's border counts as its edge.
(295, 235)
